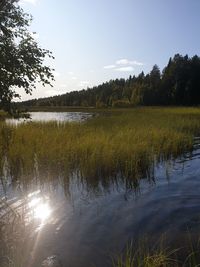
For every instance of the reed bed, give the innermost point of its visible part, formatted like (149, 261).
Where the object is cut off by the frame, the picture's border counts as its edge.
(117, 142)
(124, 143)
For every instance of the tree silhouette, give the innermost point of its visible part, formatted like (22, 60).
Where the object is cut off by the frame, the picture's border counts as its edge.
(21, 58)
(179, 84)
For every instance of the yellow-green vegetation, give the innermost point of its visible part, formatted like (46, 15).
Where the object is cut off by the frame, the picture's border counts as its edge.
(145, 257)
(3, 114)
(124, 142)
(158, 255)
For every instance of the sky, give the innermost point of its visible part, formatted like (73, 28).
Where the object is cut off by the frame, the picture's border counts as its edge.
(94, 41)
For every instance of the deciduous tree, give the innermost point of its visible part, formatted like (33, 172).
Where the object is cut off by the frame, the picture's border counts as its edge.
(21, 58)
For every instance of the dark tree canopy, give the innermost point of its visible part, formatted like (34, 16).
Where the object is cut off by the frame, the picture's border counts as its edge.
(178, 84)
(21, 58)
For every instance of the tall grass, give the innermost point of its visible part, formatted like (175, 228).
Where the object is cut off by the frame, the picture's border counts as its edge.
(121, 142)
(143, 256)
(118, 143)
(147, 253)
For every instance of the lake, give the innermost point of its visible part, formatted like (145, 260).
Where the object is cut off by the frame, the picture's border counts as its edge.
(53, 116)
(77, 223)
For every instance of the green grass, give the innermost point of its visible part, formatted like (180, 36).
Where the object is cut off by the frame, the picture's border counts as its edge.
(149, 254)
(126, 142)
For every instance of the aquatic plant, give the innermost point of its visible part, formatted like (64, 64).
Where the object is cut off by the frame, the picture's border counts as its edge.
(118, 145)
(123, 143)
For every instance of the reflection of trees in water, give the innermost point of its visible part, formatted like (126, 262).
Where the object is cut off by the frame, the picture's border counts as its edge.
(13, 228)
(24, 174)
(15, 242)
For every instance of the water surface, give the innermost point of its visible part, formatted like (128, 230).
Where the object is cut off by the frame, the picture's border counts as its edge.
(80, 224)
(53, 116)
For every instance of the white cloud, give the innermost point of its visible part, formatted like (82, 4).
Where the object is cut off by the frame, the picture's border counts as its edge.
(125, 61)
(74, 78)
(109, 67)
(137, 63)
(33, 2)
(124, 65)
(83, 83)
(125, 69)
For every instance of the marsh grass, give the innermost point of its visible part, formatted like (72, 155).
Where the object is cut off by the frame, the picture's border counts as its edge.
(148, 253)
(116, 145)
(144, 257)
(125, 143)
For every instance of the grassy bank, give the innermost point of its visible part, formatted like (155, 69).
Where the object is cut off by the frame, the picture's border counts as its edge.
(125, 142)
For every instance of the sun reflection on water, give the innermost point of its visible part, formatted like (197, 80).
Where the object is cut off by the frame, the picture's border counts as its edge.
(42, 211)
(40, 208)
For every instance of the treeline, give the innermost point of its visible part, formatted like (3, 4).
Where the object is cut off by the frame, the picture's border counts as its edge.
(177, 84)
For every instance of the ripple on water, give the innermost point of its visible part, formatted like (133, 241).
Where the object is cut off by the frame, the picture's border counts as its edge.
(52, 261)
(85, 228)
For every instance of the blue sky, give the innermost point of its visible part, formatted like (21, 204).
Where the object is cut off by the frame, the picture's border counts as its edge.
(97, 40)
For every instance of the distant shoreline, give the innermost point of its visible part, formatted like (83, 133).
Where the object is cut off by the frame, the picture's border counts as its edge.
(91, 109)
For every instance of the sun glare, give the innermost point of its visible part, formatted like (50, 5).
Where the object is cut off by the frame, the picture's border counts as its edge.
(41, 210)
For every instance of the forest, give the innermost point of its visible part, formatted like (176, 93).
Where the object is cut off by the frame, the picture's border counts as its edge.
(177, 84)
